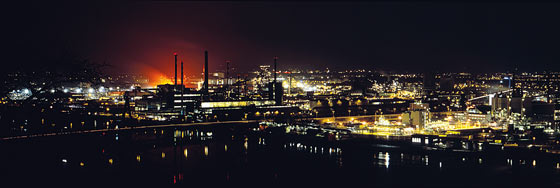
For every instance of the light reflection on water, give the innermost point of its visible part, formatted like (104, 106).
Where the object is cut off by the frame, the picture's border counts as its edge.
(185, 156)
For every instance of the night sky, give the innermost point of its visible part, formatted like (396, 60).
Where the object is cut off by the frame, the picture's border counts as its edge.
(142, 36)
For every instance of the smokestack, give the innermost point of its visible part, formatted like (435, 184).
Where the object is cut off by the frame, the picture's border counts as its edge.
(275, 58)
(182, 90)
(175, 54)
(227, 72)
(238, 84)
(206, 71)
(274, 84)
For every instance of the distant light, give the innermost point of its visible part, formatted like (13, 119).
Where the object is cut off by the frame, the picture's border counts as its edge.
(52, 90)
(174, 53)
(101, 89)
(186, 152)
(64, 160)
(91, 90)
(65, 90)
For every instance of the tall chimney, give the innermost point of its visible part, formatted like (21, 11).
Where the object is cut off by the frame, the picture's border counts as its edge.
(175, 54)
(182, 91)
(227, 73)
(275, 58)
(206, 71)
(274, 84)
(181, 72)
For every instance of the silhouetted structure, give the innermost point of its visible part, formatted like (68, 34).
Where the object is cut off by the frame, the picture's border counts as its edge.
(182, 92)
(206, 75)
(175, 54)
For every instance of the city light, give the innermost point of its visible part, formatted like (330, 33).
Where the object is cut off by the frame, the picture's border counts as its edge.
(383, 94)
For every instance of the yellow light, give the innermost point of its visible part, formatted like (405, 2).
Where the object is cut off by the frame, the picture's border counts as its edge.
(82, 164)
(185, 152)
(138, 158)
(206, 150)
(162, 155)
(110, 161)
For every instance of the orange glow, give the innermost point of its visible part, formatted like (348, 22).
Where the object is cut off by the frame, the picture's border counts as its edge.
(157, 77)
(160, 80)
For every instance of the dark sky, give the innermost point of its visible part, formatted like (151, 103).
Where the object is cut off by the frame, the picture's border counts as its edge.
(141, 36)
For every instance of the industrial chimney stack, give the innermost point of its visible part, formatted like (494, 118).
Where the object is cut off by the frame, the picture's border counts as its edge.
(181, 72)
(175, 54)
(275, 58)
(206, 72)
(182, 92)
(277, 87)
(227, 73)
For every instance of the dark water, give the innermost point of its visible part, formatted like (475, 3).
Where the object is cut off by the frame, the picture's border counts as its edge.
(237, 155)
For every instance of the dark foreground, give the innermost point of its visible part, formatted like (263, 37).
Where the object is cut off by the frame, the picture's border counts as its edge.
(238, 155)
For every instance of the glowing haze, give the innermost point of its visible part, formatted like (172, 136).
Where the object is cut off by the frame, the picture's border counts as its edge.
(141, 37)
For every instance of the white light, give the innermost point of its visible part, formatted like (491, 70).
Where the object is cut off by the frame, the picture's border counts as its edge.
(25, 91)
(101, 89)
(90, 90)
(65, 90)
